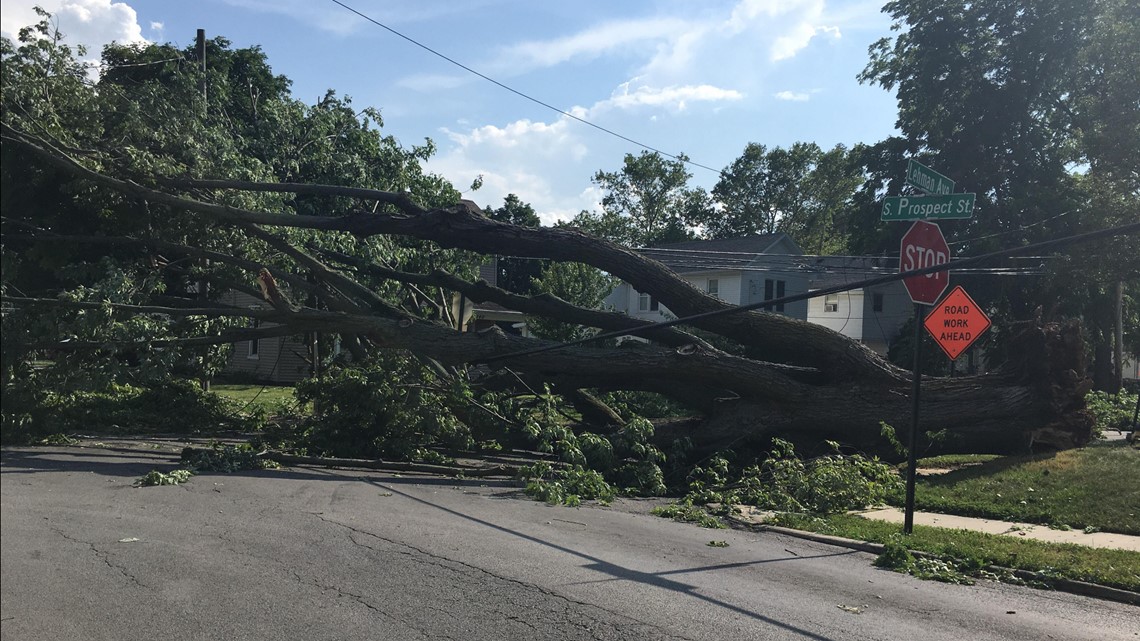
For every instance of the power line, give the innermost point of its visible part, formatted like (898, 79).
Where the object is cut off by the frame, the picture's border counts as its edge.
(1012, 231)
(678, 157)
(1121, 230)
(106, 65)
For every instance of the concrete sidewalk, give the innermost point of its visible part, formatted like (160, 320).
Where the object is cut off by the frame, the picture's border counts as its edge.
(1007, 528)
(748, 513)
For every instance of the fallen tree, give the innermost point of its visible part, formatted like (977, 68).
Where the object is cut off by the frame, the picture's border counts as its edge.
(810, 381)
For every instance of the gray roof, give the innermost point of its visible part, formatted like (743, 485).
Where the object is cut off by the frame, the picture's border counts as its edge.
(716, 254)
(752, 244)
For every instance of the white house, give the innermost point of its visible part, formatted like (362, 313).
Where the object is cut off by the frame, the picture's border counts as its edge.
(873, 315)
(755, 268)
(736, 270)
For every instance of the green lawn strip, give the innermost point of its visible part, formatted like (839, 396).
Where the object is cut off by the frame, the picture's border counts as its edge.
(1090, 487)
(266, 397)
(1115, 568)
(951, 461)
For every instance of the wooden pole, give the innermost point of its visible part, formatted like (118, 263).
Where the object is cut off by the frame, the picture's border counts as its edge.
(201, 42)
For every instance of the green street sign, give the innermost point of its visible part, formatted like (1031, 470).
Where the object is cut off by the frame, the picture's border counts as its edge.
(928, 180)
(926, 207)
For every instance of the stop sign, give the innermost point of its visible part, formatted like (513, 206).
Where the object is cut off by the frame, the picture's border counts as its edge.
(924, 246)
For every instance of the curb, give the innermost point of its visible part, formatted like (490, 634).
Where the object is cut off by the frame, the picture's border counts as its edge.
(1082, 588)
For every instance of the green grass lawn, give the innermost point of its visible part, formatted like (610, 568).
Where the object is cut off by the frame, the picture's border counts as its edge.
(952, 461)
(1096, 486)
(266, 397)
(1116, 568)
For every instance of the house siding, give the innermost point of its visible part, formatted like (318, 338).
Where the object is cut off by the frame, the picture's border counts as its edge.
(882, 327)
(847, 319)
(279, 359)
(794, 283)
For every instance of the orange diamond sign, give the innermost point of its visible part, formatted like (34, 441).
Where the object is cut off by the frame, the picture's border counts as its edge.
(956, 322)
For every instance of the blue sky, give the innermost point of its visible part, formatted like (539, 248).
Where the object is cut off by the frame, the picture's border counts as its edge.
(703, 78)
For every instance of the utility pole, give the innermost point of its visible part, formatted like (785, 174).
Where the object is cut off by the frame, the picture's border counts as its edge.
(1118, 356)
(202, 62)
(203, 284)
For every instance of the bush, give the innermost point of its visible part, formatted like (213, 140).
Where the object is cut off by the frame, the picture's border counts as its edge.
(1112, 411)
(169, 406)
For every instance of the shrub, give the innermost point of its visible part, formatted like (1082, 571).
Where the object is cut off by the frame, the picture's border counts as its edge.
(169, 406)
(1111, 411)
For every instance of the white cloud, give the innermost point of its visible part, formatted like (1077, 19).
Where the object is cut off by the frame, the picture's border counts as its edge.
(429, 82)
(321, 15)
(587, 44)
(537, 138)
(91, 23)
(748, 11)
(794, 96)
(675, 97)
(340, 21)
(798, 37)
(534, 160)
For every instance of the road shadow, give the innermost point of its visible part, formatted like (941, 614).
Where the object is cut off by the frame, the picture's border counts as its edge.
(617, 572)
(130, 462)
(59, 459)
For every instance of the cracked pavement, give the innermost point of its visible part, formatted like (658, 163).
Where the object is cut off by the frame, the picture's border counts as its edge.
(338, 554)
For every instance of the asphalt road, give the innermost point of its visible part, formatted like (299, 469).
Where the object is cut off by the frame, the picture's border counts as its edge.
(336, 554)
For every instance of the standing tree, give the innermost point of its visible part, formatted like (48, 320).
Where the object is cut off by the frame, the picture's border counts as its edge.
(648, 200)
(802, 191)
(1033, 106)
(516, 274)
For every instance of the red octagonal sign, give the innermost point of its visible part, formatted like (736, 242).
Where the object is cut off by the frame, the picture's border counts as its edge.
(924, 246)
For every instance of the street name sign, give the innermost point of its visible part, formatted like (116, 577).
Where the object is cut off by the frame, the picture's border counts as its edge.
(956, 322)
(928, 180)
(942, 207)
(923, 245)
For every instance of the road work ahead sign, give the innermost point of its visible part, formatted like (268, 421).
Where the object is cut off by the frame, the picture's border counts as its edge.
(956, 322)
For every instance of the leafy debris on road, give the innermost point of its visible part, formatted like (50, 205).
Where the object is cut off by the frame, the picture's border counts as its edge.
(154, 477)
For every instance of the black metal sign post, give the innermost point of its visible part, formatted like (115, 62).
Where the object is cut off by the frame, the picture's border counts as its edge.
(911, 459)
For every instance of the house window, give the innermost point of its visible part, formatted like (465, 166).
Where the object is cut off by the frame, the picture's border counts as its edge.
(831, 303)
(877, 301)
(255, 344)
(774, 289)
(646, 303)
(714, 287)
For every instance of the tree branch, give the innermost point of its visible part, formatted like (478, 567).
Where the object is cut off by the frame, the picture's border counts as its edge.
(294, 281)
(547, 305)
(602, 367)
(403, 201)
(232, 336)
(343, 286)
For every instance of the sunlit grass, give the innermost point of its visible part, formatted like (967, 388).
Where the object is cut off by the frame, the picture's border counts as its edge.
(269, 398)
(1116, 568)
(1090, 487)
